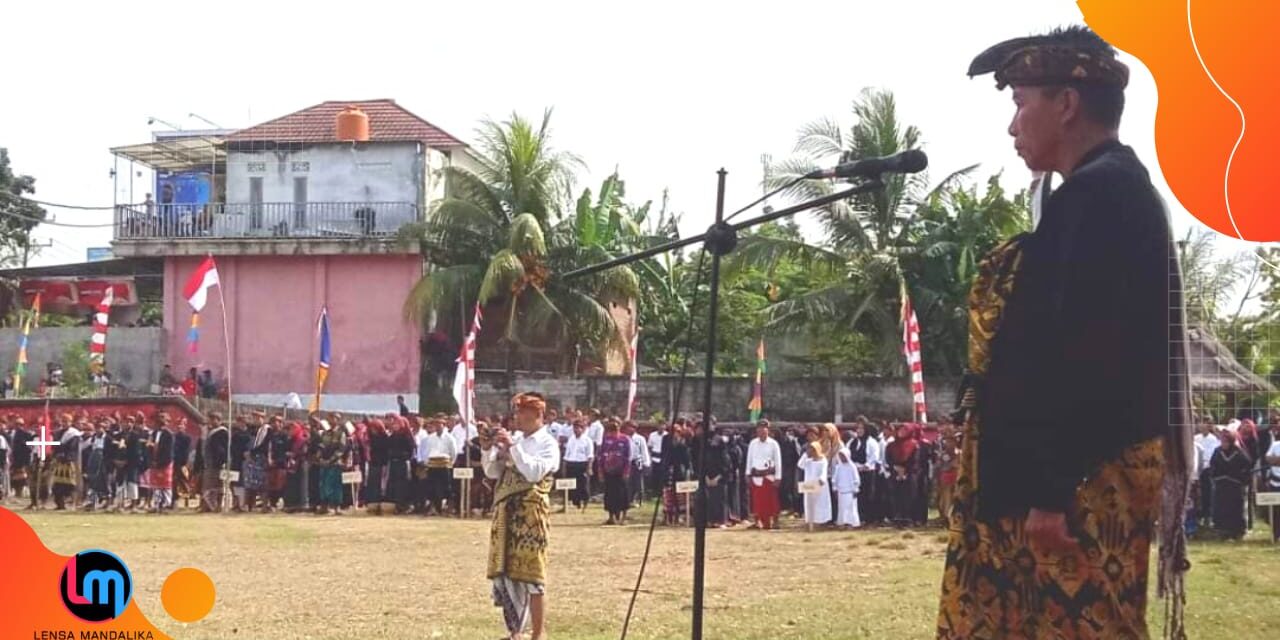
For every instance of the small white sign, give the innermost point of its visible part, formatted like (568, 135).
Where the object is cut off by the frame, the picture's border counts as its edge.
(234, 476)
(464, 473)
(566, 484)
(352, 477)
(1269, 499)
(687, 486)
(812, 486)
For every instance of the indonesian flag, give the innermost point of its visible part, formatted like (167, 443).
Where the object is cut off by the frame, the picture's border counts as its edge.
(197, 294)
(911, 348)
(635, 378)
(464, 380)
(202, 279)
(98, 344)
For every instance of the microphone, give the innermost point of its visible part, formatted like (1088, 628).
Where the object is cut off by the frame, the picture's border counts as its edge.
(909, 161)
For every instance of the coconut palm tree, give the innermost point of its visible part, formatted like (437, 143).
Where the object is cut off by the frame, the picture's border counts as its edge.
(859, 255)
(501, 237)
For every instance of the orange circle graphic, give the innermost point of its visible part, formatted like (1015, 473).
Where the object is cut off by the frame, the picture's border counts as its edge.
(187, 595)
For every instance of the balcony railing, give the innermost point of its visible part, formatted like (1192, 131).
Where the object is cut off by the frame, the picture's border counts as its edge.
(263, 220)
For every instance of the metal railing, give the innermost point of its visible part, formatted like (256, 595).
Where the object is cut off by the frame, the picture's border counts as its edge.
(263, 220)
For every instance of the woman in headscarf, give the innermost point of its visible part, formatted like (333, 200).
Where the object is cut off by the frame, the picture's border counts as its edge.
(400, 449)
(832, 445)
(675, 467)
(903, 457)
(332, 457)
(615, 467)
(295, 478)
(375, 482)
(817, 503)
(948, 467)
(1230, 468)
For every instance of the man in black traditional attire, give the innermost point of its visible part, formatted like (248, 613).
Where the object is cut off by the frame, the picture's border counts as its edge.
(1075, 412)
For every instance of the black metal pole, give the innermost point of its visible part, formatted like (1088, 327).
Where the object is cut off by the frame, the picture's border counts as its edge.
(700, 514)
(745, 224)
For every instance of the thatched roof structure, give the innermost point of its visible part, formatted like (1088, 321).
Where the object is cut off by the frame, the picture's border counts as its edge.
(1213, 368)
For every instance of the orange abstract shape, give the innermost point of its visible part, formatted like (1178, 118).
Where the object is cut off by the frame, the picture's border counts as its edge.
(188, 594)
(1199, 131)
(30, 591)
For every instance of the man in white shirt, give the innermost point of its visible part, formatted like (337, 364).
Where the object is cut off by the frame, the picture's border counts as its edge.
(524, 464)
(557, 427)
(579, 452)
(1206, 442)
(764, 468)
(640, 462)
(596, 429)
(462, 434)
(656, 473)
(437, 452)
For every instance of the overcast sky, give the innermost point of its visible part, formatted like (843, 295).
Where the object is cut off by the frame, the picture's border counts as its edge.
(666, 91)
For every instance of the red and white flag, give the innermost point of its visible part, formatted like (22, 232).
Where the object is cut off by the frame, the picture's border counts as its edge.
(202, 279)
(98, 344)
(464, 380)
(631, 390)
(911, 348)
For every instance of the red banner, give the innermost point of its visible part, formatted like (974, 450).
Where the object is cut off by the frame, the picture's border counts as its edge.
(91, 292)
(57, 293)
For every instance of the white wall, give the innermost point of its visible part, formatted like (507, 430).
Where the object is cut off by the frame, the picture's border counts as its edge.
(340, 172)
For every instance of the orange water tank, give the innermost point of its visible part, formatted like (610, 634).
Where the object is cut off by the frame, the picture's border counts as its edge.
(353, 125)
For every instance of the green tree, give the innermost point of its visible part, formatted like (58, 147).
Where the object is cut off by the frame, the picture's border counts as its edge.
(858, 260)
(506, 232)
(18, 216)
(955, 228)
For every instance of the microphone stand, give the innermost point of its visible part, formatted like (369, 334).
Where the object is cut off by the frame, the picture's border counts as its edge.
(719, 240)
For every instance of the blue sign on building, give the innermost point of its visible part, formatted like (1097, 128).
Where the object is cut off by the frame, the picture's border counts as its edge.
(94, 254)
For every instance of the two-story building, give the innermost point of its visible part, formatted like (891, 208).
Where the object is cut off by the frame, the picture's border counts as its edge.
(297, 215)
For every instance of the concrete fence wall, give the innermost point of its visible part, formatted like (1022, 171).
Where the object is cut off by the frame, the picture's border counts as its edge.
(799, 399)
(134, 354)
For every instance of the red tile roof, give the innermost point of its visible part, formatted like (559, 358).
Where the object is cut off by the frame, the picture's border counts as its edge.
(388, 122)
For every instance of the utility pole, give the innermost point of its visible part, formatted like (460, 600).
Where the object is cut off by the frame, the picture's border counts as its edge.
(26, 249)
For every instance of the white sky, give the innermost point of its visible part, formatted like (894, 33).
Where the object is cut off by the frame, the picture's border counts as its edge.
(667, 91)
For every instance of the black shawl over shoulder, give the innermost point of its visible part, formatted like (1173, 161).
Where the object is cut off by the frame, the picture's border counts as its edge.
(1080, 366)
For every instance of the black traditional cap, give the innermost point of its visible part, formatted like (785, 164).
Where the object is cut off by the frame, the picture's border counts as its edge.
(1064, 56)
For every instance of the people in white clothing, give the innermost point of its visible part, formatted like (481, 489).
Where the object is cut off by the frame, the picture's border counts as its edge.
(817, 493)
(846, 481)
(595, 430)
(579, 453)
(764, 467)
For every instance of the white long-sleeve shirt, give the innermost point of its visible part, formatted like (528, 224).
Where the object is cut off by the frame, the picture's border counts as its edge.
(764, 455)
(1205, 446)
(462, 436)
(815, 469)
(639, 452)
(655, 446)
(579, 449)
(534, 457)
(596, 432)
(435, 445)
(875, 454)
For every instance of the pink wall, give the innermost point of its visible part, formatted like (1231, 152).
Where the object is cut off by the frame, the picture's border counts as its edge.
(272, 303)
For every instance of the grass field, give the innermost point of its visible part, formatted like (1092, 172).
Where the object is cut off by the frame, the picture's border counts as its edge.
(359, 576)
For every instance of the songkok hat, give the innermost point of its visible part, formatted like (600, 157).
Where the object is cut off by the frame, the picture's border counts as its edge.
(1065, 56)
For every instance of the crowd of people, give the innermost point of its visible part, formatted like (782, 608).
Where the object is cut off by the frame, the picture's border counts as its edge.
(135, 462)
(868, 475)
(1234, 461)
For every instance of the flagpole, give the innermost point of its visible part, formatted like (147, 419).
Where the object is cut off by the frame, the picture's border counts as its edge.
(226, 339)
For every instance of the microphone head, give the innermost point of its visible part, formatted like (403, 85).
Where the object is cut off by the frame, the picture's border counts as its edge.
(912, 161)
